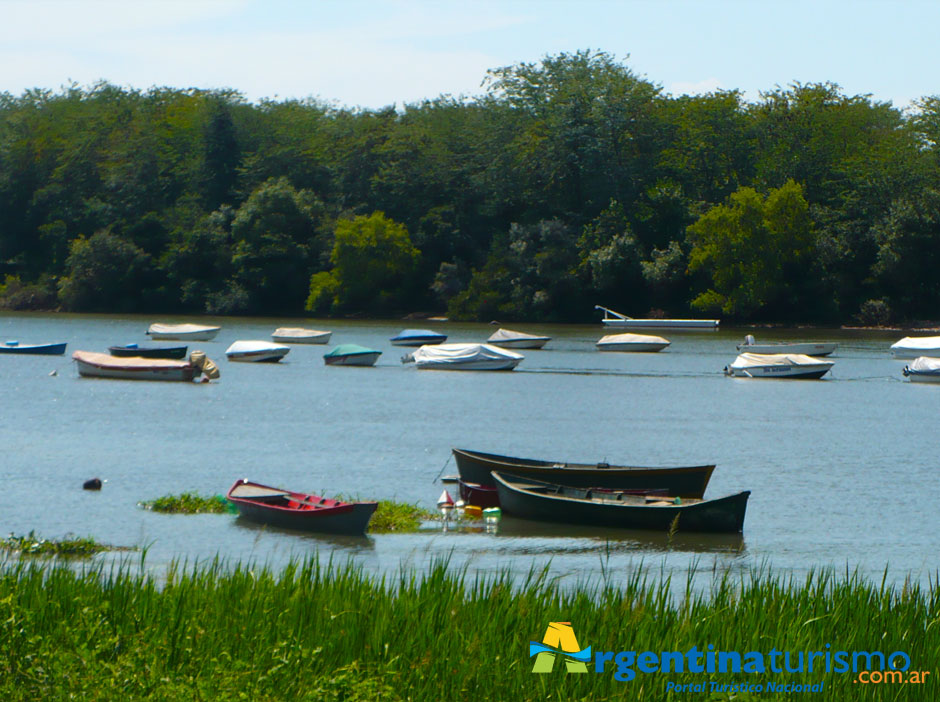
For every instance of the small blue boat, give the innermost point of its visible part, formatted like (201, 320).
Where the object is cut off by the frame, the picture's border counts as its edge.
(38, 349)
(417, 337)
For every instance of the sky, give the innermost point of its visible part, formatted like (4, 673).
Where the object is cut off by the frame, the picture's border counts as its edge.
(375, 53)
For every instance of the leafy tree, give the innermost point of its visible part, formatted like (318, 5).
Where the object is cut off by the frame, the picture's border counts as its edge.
(275, 236)
(373, 260)
(753, 249)
(106, 273)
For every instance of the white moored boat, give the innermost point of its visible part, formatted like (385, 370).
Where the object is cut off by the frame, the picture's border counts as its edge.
(508, 339)
(779, 365)
(807, 348)
(923, 369)
(298, 335)
(189, 332)
(916, 346)
(463, 357)
(621, 321)
(103, 365)
(256, 351)
(631, 342)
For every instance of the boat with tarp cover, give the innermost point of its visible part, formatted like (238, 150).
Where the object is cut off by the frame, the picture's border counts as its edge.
(551, 502)
(351, 355)
(299, 335)
(781, 365)
(182, 332)
(916, 346)
(102, 365)
(477, 357)
(476, 467)
(923, 370)
(299, 510)
(509, 339)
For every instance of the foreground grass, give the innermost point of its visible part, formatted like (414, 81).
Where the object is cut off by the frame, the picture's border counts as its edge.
(319, 632)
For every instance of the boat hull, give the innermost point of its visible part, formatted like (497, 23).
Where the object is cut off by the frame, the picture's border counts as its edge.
(683, 481)
(34, 349)
(916, 377)
(359, 359)
(301, 336)
(300, 511)
(562, 504)
(171, 352)
(521, 343)
(633, 347)
(182, 332)
(481, 365)
(257, 356)
(92, 365)
(814, 372)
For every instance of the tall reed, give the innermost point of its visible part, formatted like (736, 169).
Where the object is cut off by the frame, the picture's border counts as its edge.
(322, 630)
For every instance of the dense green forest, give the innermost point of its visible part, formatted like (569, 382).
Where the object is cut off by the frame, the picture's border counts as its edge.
(568, 182)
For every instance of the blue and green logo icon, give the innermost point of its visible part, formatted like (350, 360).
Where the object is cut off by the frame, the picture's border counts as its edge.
(559, 642)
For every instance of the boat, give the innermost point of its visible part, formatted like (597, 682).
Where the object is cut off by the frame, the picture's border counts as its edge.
(916, 346)
(351, 355)
(35, 349)
(463, 357)
(174, 352)
(417, 337)
(631, 342)
(298, 335)
(778, 365)
(299, 510)
(256, 351)
(615, 319)
(923, 369)
(102, 365)
(551, 502)
(807, 348)
(509, 339)
(476, 467)
(182, 332)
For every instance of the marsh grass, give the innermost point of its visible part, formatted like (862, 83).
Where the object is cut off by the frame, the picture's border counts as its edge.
(398, 517)
(321, 631)
(67, 547)
(190, 503)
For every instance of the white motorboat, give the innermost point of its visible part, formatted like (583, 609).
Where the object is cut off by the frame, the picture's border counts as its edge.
(631, 342)
(256, 351)
(508, 339)
(298, 335)
(923, 369)
(103, 365)
(807, 348)
(778, 365)
(621, 321)
(916, 346)
(181, 332)
(463, 357)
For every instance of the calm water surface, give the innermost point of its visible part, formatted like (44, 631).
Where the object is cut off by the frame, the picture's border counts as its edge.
(843, 471)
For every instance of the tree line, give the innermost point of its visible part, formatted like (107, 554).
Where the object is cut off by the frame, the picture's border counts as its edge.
(567, 183)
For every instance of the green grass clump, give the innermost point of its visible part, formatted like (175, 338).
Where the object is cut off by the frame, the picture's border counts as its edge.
(69, 547)
(317, 631)
(189, 503)
(398, 517)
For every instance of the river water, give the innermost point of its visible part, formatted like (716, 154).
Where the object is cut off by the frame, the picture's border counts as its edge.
(843, 471)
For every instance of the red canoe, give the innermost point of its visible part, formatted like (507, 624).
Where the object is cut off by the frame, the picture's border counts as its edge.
(299, 510)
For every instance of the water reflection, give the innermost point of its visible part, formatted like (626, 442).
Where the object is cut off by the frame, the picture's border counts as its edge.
(316, 540)
(545, 537)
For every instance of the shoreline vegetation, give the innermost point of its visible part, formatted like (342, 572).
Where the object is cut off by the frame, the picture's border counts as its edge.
(389, 516)
(326, 631)
(570, 181)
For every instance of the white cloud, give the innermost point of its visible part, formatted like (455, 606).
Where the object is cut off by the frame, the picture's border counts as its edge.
(709, 85)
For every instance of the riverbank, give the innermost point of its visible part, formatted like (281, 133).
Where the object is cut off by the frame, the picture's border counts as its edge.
(324, 631)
